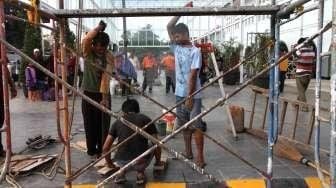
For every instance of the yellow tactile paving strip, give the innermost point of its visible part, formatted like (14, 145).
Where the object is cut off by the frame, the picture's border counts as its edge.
(246, 183)
(311, 182)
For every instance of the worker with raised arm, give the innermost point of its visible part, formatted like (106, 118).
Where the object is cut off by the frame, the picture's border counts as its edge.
(95, 85)
(188, 60)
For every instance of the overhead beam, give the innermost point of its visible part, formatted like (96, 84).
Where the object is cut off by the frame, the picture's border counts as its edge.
(183, 11)
(289, 9)
(22, 5)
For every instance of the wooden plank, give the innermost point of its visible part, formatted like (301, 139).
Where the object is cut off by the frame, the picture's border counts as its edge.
(283, 115)
(37, 163)
(253, 110)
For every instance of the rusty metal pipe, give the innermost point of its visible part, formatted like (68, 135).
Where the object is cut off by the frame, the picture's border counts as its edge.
(86, 167)
(57, 105)
(328, 26)
(103, 109)
(5, 77)
(181, 11)
(66, 130)
(218, 103)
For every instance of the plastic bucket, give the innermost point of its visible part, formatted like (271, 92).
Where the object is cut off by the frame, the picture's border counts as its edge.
(161, 127)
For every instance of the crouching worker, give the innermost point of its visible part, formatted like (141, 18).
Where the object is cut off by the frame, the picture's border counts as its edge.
(134, 147)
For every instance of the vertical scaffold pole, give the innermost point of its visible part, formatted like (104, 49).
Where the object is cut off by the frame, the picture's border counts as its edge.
(333, 101)
(271, 114)
(6, 124)
(317, 94)
(276, 82)
(65, 99)
(125, 31)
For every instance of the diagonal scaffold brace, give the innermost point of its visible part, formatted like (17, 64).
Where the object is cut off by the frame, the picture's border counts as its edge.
(218, 103)
(112, 114)
(86, 167)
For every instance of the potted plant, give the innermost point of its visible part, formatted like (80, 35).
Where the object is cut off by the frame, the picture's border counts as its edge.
(260, 61)
(228, 55)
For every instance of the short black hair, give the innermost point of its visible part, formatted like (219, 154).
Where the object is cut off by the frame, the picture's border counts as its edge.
(301, 40)
(101, 38)
(181, 28)
(283, 46)
(130, 105)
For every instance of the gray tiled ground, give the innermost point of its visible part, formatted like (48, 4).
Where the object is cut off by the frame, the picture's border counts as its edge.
(29, 119)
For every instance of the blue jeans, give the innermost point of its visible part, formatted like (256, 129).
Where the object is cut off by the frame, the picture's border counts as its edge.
(185, 115)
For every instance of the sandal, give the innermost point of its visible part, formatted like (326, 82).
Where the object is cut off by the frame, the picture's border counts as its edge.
(141, 179)
(201, 164)
(160, 166)
(120, 179)
(190, 156)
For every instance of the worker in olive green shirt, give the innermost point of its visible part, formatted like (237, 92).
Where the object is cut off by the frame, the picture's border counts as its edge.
(96, 86)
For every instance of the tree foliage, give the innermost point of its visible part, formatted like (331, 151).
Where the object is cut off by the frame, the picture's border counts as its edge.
(144, 37)
(70, 37)
(15, 30)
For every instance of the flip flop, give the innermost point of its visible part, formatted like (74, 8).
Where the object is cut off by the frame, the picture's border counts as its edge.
(159, 167)
(140, 180)
(201, 165)
(120, 179)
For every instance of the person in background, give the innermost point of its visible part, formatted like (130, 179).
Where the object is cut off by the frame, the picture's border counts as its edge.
(42, 79)
(305, 58)
(168, 62)
(126, 72)
(96, 86)
(31, 83)
(149, 68)
(134, 147)
(134, 60)
(188, 62)
(283, 66)
(13, 94)
(71, 69)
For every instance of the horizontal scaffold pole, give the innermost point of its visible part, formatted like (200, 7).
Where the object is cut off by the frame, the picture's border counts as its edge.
(183, 11)
(291, 7)
(23, 5)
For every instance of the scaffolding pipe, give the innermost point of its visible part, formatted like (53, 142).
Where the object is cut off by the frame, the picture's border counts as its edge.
(300, 14)
(220, 102)
(57, 103)
(333, 101)
(124, 32)
(66, 134)
(86, 167)
(317, 96)
(289, 9)
(22, 5)
(6, 124)
(328, 26)
(105, 110)
(270, 138)
(183, 11)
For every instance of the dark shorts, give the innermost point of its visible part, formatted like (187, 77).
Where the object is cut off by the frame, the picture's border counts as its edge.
(186, 115)
(141, 165)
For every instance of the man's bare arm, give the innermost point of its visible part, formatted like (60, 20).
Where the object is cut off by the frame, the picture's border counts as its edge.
(107, 146)
(87, 40)
(192, 81)
(171, 24)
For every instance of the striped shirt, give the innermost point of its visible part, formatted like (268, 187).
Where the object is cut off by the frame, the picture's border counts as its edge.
(305, 61)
